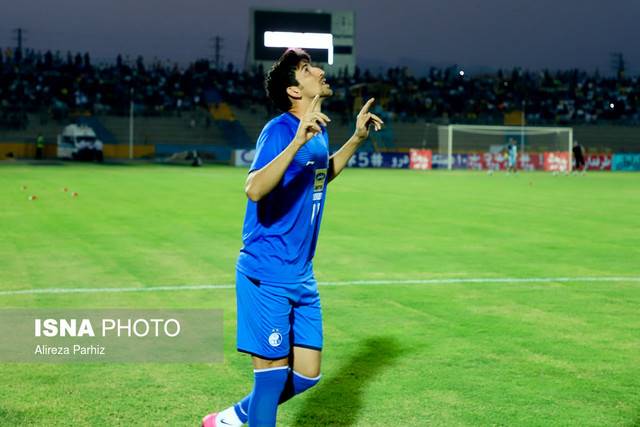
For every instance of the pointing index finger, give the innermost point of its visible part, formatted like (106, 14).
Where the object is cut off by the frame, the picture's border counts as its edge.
(366, 106)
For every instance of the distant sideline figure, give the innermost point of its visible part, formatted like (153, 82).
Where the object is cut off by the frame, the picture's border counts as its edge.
(512, 150)
(40, 147)
(578, 157)
(278, 305)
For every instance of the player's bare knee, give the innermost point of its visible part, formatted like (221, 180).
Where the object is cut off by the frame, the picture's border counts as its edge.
(259, 363)
(307, 361)
(307, 371)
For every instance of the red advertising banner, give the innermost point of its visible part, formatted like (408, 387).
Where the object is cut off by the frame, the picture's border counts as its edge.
(531, 161)
(499, 161)
(420, 159)
(492, 161)
(553, 161)
(476, 161)
(598, 162)
(556, 161)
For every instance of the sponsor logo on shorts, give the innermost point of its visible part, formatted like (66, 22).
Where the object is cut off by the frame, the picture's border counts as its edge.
(275, 339)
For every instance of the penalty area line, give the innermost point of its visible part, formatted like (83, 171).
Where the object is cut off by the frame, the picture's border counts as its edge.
(335, 283)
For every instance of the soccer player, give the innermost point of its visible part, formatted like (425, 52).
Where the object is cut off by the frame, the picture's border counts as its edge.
(512, 148)
(578, 156)
(279, 313)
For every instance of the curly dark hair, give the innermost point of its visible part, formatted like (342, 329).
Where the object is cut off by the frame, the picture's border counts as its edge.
(282, 75)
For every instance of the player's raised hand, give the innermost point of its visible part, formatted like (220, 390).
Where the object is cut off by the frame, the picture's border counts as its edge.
(365, 119)
(311, 122)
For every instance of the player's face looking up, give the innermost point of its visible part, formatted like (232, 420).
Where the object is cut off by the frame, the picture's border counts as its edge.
(311, 81)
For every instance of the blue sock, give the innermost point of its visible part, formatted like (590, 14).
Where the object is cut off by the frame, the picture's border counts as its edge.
(267, 387)
(300, 383)
(296, 384)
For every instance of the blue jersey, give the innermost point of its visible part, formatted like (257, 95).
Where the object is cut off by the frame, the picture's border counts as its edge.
(280, 231)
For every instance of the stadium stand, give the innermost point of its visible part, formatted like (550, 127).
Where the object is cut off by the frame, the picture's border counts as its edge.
(199, 104)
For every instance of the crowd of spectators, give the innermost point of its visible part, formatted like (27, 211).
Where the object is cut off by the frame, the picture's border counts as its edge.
(56, 85)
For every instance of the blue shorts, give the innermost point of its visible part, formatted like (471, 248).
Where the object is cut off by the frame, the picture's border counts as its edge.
(273, 317)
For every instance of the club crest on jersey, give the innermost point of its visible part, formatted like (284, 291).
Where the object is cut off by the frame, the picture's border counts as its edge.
(275, 339)
(318, 182)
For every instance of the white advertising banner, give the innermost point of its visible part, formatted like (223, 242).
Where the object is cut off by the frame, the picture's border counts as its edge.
(243, 158)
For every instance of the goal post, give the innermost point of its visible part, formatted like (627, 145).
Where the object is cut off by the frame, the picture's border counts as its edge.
(490, 142)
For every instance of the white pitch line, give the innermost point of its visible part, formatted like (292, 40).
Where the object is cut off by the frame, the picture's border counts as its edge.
(338, 283)
(115, 290)
(481, 280)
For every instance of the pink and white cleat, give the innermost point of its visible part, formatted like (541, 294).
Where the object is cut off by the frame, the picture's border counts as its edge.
(209, 420)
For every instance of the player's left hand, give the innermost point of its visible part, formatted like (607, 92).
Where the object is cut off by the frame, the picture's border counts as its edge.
(365, 119)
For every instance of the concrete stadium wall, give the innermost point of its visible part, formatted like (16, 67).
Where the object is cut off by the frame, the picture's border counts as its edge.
(121, 151)
(149, 131)
(164, 130)
(22, 150)
(27, 150)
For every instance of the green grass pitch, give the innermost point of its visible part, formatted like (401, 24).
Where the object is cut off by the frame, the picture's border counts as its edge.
(559, 353)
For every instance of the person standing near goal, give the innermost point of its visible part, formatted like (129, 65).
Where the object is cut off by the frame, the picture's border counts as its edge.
(279, 313)
(578, 157)
(512, 150)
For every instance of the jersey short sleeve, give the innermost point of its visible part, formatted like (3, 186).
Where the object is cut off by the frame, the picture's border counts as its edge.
(271, 142)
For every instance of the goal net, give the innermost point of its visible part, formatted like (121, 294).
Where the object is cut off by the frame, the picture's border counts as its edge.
(486, 147)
